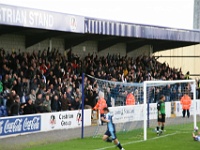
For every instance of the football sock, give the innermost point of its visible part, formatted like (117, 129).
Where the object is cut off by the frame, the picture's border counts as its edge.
(119, 145)
(188, 114)
(183, 113)
(162, 128)
(108, 140)
(157, 128)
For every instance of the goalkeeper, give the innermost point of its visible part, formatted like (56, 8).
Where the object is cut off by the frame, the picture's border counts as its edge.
(161, 114)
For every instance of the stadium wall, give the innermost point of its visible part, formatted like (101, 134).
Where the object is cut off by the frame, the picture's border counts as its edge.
(84, 48)
(57, 43)
(92, 46)
(12, 42)
(115, 49)
(144, 50)
(187, 63)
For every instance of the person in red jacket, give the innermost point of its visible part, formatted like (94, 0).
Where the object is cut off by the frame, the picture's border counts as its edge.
(186, 103)
(130, 99)
(100, 105)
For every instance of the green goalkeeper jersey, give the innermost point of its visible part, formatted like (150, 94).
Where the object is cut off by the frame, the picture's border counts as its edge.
(161, 107)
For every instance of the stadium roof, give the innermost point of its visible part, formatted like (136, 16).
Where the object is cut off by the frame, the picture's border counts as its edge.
(38, 25)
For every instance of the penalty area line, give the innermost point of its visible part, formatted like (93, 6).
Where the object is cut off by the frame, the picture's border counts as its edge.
(140, 141)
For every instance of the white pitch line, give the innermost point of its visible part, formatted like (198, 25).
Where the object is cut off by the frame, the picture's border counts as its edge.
(138, 141)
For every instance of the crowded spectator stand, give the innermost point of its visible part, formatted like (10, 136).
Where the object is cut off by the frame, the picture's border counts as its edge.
(48, 81)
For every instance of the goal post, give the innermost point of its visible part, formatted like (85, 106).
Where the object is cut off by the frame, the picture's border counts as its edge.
(184, 90)
(145, 110)
(136, 122)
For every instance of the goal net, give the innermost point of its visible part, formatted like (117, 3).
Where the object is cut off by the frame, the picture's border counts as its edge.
(128, 119)
(178, 94)
(138, 121)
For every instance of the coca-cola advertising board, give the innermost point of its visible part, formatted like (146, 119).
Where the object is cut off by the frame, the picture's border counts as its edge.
(18, 125)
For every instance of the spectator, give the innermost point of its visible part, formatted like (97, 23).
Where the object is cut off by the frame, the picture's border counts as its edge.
(76, 82)
(89, 98)
(157, 95)
(15, 107)
(39, 103)
(65, 103)
(34, 84)
(9, 103)
(186, 103)
(101, 104)
(33, 96)
(29, 107)
(174, 95)
(69, 96)
(18, 88)
(51, 78)
(130, 99)
(55, 104)
(108, 99)
(77, 99)
(50, 72)
(75, 104)
(187, 75)
(47, 103)
(167, 93)
(114, 91)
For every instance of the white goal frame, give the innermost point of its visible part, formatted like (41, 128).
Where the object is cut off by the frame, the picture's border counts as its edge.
(145, 85)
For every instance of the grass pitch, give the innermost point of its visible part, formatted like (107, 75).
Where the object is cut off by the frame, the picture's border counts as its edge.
(174, 138)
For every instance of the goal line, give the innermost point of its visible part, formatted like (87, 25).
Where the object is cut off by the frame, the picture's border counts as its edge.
(132, 142)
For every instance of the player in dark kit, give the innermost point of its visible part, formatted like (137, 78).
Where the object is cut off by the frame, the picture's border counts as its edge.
(110, 129)
(161, 114)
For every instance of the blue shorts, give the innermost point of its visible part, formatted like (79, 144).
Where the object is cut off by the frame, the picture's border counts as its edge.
(197, 138)
(111, 133)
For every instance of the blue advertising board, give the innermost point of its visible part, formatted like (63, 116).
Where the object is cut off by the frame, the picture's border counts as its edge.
(20, 125)
(34, 18)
